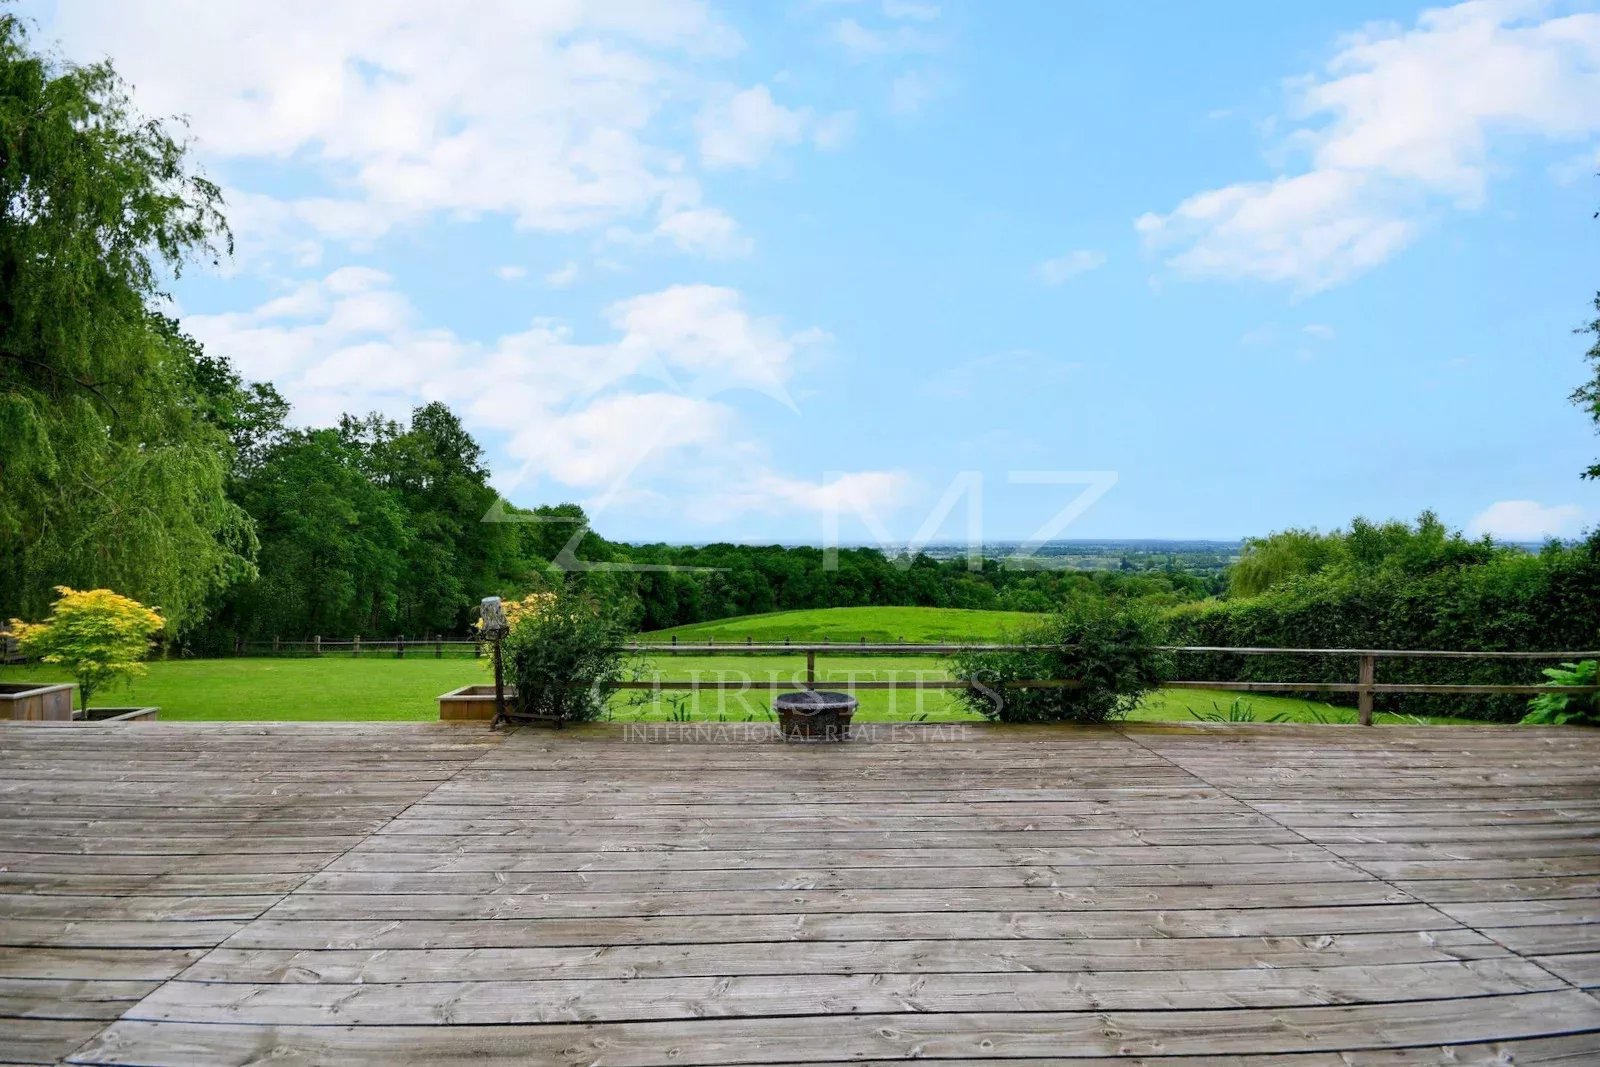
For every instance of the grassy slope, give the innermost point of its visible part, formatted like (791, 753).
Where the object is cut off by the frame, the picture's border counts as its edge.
(880, 625)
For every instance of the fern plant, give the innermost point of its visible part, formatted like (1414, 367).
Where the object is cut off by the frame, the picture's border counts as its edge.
(1567, 709)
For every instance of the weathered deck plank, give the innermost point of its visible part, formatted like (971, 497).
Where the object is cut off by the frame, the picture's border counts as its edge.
(238, 893)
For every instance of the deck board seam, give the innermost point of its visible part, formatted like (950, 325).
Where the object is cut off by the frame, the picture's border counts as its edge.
(281, 897)
(1356, 865)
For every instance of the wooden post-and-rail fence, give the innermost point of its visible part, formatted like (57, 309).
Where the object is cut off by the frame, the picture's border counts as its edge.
(437, 646)
(1365, 686)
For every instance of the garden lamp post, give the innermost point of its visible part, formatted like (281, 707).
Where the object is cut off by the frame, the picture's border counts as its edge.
(492, 616)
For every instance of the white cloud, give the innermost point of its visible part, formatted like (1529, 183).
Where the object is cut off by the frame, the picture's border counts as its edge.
(849, 494)
(557, 115)
(910, 10)
(706, 231)
(1065, 268)
(862, 42)
(911, 91)
(1410, 119)
(562, 276)
(1526, 520)
(511, 272)
(1319, 331)
(743, 129)
(746, 128)
(650, 406)
(831, 132)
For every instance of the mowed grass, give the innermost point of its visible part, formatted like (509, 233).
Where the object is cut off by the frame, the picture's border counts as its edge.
(850, 625)
(384, 688)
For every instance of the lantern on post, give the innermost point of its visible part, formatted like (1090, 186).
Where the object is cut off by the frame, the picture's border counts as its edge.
(492, 618)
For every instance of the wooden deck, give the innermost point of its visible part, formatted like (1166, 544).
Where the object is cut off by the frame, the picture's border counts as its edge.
(399, 894)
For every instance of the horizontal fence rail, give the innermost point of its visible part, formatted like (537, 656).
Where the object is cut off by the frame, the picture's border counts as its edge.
(1365, 687)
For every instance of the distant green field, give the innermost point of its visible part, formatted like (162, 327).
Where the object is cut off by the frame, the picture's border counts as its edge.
(877, 625)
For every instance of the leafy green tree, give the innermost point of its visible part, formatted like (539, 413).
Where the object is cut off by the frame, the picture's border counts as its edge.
(110, 475)
(97, 635)
(252, 415)
(1587, 395)
(333, 543)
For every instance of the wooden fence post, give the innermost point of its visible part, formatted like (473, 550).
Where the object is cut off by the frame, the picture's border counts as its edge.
(355, 647)
(317, 644)
(811, 667)
(274, 644)
(400, 647)
(438, 646)
(1369, 671)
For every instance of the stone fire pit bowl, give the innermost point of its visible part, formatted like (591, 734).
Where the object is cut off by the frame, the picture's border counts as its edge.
(815, 715)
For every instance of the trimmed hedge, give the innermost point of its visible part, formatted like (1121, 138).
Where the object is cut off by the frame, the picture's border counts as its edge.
(1514, 601)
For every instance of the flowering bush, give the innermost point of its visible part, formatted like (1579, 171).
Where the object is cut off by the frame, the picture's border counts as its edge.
(530, 605)
(97, 635)
(563, 653)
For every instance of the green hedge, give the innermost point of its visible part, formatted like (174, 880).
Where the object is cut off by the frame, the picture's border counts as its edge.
(1515, 601)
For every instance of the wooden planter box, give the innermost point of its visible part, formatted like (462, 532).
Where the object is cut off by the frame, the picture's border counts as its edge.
(36, 701)
(471, 703)
(117, 715)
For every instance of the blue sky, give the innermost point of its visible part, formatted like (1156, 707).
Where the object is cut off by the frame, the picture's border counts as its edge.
(768, 270)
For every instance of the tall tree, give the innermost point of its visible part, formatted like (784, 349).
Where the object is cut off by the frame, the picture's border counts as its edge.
(1587, 395)
(109, 474)
(333, 543)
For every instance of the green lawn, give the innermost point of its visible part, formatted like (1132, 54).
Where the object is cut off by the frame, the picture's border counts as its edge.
(339, 687)
(840, 625)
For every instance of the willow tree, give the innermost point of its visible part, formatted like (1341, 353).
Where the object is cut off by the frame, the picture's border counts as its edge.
(109, 474)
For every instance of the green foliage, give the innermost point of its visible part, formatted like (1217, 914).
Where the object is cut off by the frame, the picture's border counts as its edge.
(728, 582)
(1399, 547)
(1562, 709)
(112, 475)
(97, 635)
(374, 528)
(1268, 561)
(1394, 586)
(1238, 710)
(1112, 650)
(563, 657)
(1587, 395)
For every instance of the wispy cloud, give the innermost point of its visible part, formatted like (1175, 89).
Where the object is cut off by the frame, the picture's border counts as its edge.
(1526, 520)
(1064, 268)
(1412, 119)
